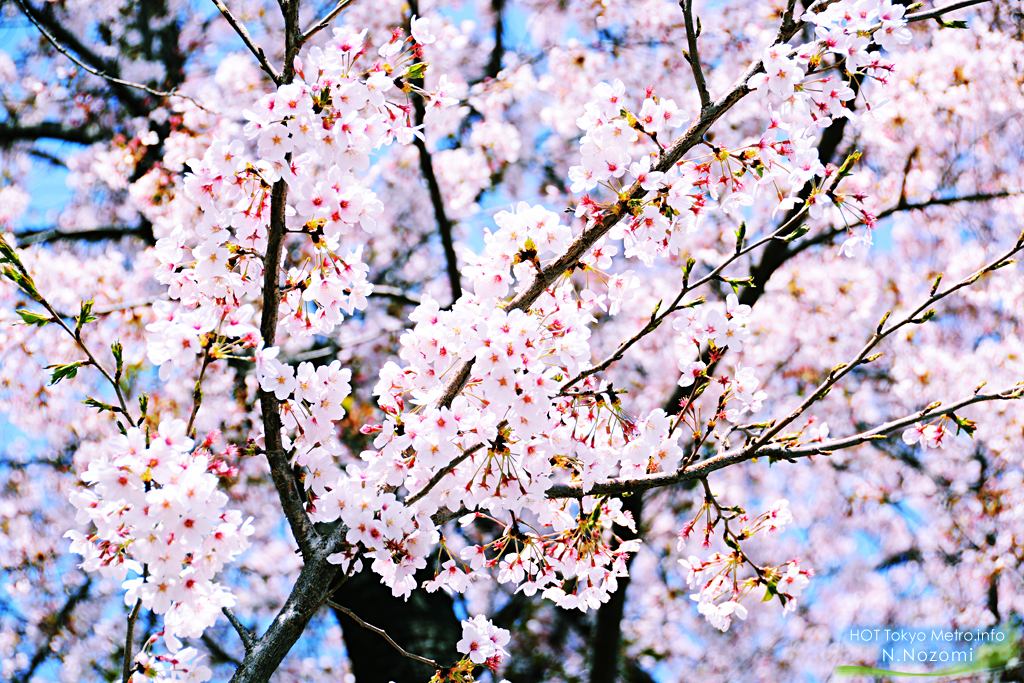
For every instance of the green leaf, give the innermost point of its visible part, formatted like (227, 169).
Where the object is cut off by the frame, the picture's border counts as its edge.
(416, 71)
(84, 316)
(63, 371)
(99, 405)
(967, 426)
(31, 318)
(118, 352)
(958, 23)
(800, 231)
(7, 253)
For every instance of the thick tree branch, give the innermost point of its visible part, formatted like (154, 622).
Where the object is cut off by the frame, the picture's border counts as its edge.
(88, 235)
(498, 51)
(240, 29)
(692, 56)
(288, 491)
(308, 595)
(48, 130)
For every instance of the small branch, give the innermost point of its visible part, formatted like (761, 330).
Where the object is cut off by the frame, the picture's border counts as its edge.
(706, 467)
(126, 665)
(440, 474)
(444, 224)
(844, 369)
(218, 652)
(830, 235)
(936, 13)
(95, 72)
(398, 295)
(247, 639)
(323, 23)
(693, 58)
(247, 39)
(56, 317)
(59, 622)
(383, 634)
(197, 391)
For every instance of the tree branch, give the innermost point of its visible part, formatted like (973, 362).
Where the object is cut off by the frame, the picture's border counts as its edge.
(292, 501)
(498, 52)
(917, 316)
(88, 235)
(47, 130)
(67, 53)
(253, 47)
(383, 634)
(126, 664)
(936, 13)
(829, 235)
(743, 454)
(444, 225)
(52, 628)
(692, 57)
(600, 227)
(65, 37)
(243, 633)
(323, 23)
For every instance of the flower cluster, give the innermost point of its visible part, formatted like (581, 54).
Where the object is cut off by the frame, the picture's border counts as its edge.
(180, 664)
(314, 135)
(483, 642)
(159, 514)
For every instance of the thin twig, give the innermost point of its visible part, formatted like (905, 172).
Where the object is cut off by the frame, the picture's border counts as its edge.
(323, 23)
(692, 57)
(247, 39)
(126, 665)
(383, 634)
(197, 391)
(917, 316)
(95, 72)
(243, 633)
(936, 13)
(440, 474)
